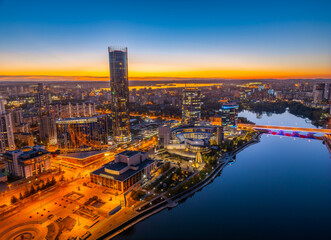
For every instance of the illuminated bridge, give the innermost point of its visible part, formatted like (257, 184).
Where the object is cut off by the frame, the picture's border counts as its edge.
(284, 131)
(293, 129)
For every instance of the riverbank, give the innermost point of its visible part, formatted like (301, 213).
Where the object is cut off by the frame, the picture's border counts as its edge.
(281, 181)
(173, 201)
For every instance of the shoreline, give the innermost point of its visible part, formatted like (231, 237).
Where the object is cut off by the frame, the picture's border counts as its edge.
(173, 201)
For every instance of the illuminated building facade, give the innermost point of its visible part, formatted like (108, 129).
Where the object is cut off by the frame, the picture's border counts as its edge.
(128, 168)
(47, 130)
(318, 92)
(82, 159)
(191, 107)
(7, 140)
(41, 101)
(164, 136)
(82, 134)
(118, 65)
(72, 110)
(197, 145)
(27, 162)
(229, 114)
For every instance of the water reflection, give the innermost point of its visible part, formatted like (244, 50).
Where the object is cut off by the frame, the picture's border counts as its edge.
(277, 189)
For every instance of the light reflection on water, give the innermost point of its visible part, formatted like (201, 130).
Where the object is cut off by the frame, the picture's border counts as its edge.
(279, 188)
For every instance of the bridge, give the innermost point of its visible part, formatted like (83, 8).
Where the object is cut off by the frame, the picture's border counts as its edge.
(244, 126)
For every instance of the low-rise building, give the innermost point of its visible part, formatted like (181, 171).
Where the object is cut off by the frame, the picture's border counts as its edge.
(82, 159)
(27, 162)
(128, 168)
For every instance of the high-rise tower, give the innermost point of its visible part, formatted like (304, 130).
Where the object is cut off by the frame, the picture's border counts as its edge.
(118, 65)
(41, 101)
(191, 107)
(7, 141)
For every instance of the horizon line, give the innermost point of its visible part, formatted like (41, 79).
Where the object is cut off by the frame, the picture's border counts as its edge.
(34, 78)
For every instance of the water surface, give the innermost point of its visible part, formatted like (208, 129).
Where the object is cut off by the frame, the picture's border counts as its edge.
(279, 188)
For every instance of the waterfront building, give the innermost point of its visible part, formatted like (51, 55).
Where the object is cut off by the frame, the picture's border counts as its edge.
(128, 168)
(82, 134)
(47, 130)
(197, 145)
(191, 106)
(229, 114)
(118, 65)
(7, 140)
(27, 162)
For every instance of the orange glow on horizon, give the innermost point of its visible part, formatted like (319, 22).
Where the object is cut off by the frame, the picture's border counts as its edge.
(135, 74)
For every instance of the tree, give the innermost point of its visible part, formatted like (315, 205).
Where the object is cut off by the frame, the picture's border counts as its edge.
(32, 190)
(42, 186)
(13, 200)
(53, 181)
(21, 196)
(48, 183)
(26, 193)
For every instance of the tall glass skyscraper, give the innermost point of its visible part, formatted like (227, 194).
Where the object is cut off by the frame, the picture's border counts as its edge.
(229, 114)
(118, 65)
(191, 107)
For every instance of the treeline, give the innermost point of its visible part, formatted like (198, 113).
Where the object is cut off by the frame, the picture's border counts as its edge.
(316, 115)
(260, 107)
(33, 190)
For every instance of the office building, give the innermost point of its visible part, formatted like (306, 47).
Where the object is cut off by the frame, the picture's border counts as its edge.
(229, 114)
(82, 134)
(191, 107)
(27, 162)
(118, 65)
(128, 168)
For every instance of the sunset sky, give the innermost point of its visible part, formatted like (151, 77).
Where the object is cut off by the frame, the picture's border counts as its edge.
(177, 39)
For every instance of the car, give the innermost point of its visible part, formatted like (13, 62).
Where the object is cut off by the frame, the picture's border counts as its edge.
(50, 216)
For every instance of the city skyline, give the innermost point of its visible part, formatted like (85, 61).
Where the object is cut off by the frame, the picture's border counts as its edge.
(165, 119)
(226, 41)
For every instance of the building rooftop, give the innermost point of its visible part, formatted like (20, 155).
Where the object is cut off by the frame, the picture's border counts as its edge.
(117, 166)
(122, 177)
(128, 153)
(82, 155)
(27, 152)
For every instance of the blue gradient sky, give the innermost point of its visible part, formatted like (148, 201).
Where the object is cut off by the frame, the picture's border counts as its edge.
(212, 39)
